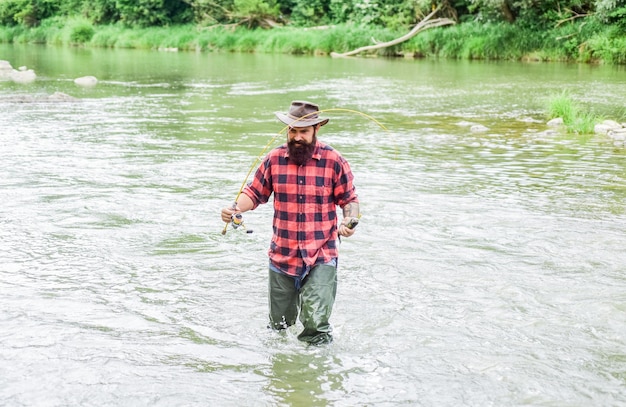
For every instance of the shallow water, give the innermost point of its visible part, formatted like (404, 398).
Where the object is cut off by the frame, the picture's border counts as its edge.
(488, 268)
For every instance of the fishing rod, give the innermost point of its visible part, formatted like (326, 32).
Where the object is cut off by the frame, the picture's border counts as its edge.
(236, 218)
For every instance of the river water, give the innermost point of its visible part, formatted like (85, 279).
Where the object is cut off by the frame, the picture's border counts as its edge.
(489, 268)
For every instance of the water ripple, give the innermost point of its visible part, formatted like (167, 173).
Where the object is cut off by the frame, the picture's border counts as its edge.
(488, 268)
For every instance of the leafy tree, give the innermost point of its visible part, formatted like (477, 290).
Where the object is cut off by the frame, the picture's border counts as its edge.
(387, 13)
(612, 12)
(8, 10)
(144, 13)
(208, 12)
(308, 13)
(26, 12)
(533, 12)
(256, 13)
(101, 11)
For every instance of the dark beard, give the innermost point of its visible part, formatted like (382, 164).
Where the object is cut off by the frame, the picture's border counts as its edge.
(301, 152)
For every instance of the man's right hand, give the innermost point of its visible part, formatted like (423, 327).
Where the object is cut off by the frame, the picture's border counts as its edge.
(227, 213)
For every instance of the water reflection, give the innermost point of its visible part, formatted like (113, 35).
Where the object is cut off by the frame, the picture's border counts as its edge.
(307, 378)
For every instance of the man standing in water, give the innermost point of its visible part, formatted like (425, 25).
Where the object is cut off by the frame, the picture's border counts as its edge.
(309, 179)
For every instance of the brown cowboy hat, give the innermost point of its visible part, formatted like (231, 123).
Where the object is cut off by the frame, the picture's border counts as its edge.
(302, 114)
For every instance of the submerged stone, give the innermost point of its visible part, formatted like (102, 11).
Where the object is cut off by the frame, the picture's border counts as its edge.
(55, 97)
(86, 81)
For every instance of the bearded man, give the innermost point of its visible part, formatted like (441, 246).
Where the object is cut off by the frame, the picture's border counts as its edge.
(309, 179)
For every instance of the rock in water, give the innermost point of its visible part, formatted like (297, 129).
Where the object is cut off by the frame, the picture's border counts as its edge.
(5, 70)
(86, 81)
(557, 121)
(61, 97)
(478, 128)
(23, 75)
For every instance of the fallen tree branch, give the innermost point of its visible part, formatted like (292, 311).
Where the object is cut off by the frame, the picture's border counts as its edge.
(564, 37)
(574, 16)
(425, 24)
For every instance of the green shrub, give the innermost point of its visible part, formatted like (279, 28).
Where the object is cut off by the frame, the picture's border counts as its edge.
(181, 41)
(608, 47)
(105, 37)
(81, 32)
(154, 37)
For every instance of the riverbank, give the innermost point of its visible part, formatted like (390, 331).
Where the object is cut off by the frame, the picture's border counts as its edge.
(586, 43)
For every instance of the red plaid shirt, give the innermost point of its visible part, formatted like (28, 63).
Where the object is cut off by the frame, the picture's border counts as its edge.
(305, 205)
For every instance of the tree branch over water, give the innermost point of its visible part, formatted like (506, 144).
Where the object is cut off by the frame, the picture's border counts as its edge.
(425, 24)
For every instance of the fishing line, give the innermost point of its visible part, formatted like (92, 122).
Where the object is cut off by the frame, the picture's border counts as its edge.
(269, 144)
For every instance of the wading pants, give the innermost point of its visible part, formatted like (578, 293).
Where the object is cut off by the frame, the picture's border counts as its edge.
(314, 301)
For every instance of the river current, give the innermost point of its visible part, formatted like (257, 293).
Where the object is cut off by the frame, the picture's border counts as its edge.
(488, 268)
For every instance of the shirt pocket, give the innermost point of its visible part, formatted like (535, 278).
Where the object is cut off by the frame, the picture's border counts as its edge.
(318, 198)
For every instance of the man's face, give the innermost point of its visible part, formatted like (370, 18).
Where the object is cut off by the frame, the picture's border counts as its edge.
(301, 135)
(301, 143)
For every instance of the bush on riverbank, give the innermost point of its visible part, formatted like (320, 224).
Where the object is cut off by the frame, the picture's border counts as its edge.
(586, 42)
(287, 40)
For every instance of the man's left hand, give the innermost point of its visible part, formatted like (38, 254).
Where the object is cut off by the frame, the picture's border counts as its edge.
(344, 230)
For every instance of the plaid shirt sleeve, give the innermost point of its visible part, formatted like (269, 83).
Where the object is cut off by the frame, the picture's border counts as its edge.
(305, 205)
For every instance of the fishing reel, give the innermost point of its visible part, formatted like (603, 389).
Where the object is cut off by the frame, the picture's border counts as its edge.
(353, 222)
(236, 221)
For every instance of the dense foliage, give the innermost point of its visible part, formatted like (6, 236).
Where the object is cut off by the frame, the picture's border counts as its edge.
(572, 30)
(266, 13)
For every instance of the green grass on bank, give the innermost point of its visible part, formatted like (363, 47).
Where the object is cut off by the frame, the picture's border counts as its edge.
(576, 119)
(576, 43)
